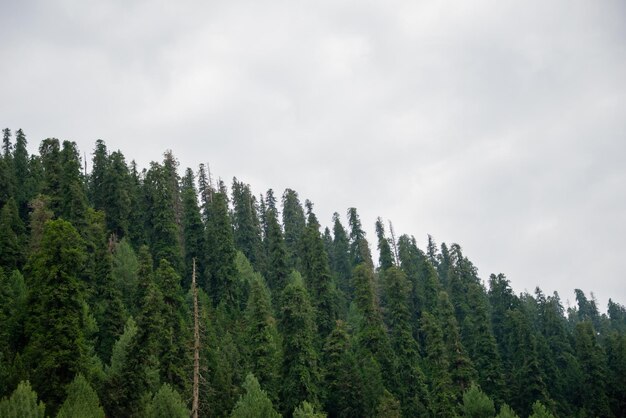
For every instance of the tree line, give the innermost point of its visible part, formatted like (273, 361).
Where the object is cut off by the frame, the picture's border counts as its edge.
(296, 319)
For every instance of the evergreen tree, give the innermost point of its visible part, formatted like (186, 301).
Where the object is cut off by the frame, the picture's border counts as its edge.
(24, 179)
(385, 257)
(341, 255)
(166, 403)
(221, 254)
(410, 386)
(119, 385)
(247, 230)
(342, 381)
(175, 336)
(12, 236)
(616, 361)
(388, 407)
(164, 231)
(81, 402)
(359, 248)
(506, 412)
(193, 231)
(306, 410)
(442, 395)
(56, 346)
(294, 223)
(277, 264)
(300, 360)
(73, 199)
(22, 403)
(316, 270)
(50, 154)
(476, 404)
(254, 403)
(118, 195)
(593, 363)
(540, 411)
(13, 295)
(262, 338)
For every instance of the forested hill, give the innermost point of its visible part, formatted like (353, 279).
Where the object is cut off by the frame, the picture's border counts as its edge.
(97, 307)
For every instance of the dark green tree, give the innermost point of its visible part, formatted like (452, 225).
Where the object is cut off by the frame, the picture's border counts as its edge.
(359, 248)
(341, 256)
(476, 404)
(300, 359)
(254, 403)
(277, 267)
(262, 338)
(592, 360)
(12, 237)
(56, 347)
(193, 231)
(81, 402)
(385, 256)
(166, 403)
(293, 223)
(247, 229)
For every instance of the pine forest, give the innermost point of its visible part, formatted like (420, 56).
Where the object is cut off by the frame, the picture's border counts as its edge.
(131, 291)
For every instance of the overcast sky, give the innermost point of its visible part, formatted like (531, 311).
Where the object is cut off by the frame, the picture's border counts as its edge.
(500, 125)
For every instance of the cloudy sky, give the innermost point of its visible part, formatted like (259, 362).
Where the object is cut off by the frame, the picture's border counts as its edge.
(500, 125)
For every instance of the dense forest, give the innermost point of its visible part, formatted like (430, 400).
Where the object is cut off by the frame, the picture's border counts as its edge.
(104, 275)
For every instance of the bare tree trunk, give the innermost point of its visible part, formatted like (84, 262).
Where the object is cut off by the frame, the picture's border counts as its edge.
(196, 346)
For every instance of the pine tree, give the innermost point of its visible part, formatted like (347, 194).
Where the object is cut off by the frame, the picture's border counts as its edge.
(119, 386)
(12, 237)
(300, 359)
(166, 403)
(540, 411)
(277, 264)
(175, 336)
(506, 412)
(22, 403)
(476, 404)
(294, 223)
(359, 248)
(385, 257)
(262, 338)
(56, 346)
(388, 407)
(593, 363)
(341, 256)
(247, 230)
(73, 199)
(25, 180)
(50, 154)
(99, 173)
(221, 254)
(316, 271)
(254, 403)
(81, 402)
(193, 231)
(118, 195)
(306, 410)
(342, 381)
(410, 387)
(13, 294)
(442, 394)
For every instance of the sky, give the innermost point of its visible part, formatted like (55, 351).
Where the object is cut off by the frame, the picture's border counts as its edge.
(498, 125)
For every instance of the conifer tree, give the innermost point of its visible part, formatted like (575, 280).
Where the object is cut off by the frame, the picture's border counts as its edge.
(12, 236)
(175, 336)
(254, 403)
(166, 403)
(359, 248)
(81, 402)
(342, 381)
(73, 206)
(540, 411)
(593, 364)
(277, 267)
(56, 346)
(221, 254)
(476, 404)
(410, 386)
(13, 294)
(388, 406)
(22, 403)
(341, 255)
(262, 338)
(293, 224)
(164, 230)
(300, 359)
(50, 154)
(193, 230)
(24, 186)
(118, 195)
(442, 395)
(316, 270)
(385, 256)
(99, 173)
(306, 410)
(247, 230)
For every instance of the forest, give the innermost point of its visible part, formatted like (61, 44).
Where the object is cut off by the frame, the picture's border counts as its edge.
(150, 292)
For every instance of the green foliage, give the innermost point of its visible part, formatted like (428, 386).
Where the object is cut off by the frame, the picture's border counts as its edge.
(506, 412)
(540, 411)
(254, 403)
(56, 346)
(166, 403)
(306, 410)
(359, 248)
(81, 402)
(247, 230)
(22, 403)
(294, 224)
(476, 404)
(300, 359)
(12, 236)
(193, 231)
(388, 406)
